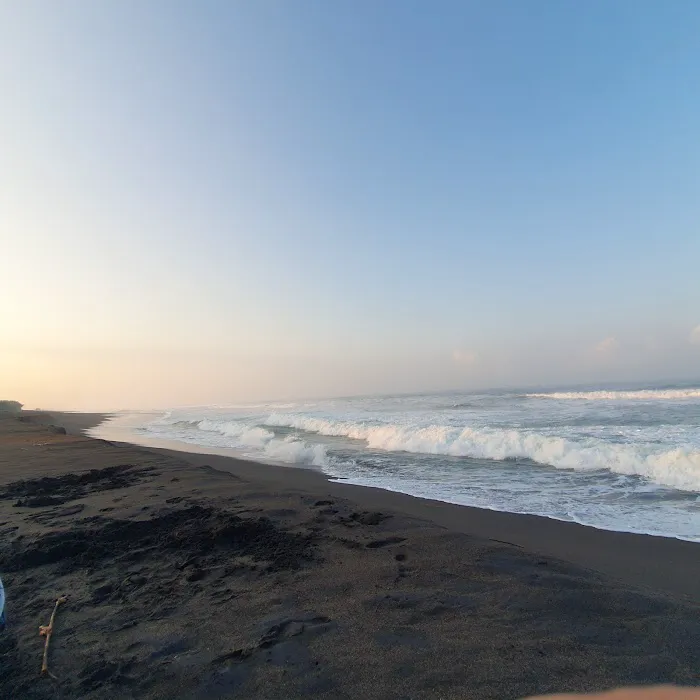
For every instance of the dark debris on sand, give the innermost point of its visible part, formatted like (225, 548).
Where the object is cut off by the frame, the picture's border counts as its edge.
(121, 574)
(190, 532)
(56, 490)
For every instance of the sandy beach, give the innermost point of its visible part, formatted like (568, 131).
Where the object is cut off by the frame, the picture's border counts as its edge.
(205, 576)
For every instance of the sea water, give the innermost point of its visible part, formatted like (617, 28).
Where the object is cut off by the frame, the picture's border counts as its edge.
(620, 459)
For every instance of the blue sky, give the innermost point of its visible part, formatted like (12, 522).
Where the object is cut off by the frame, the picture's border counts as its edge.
(211, 201)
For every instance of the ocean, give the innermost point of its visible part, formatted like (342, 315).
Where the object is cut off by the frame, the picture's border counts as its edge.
(617, 459)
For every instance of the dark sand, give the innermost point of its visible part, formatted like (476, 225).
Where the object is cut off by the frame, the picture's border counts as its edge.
(243, 580)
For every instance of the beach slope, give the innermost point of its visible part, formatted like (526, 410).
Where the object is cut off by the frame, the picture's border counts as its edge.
(185, 580)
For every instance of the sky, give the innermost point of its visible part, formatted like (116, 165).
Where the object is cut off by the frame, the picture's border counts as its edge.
(214, 201)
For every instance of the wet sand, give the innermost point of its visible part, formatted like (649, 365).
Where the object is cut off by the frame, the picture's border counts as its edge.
(204, 576)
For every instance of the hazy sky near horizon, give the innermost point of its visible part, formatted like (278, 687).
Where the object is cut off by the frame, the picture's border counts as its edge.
(222, 201)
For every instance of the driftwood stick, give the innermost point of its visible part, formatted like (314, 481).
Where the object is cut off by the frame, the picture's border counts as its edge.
(47, 631)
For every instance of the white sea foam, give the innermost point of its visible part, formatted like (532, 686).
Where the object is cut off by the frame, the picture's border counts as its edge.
(678, 468)
(253, 440)
(485, 449)
(243, 434)
(289, 449)
(639, 395)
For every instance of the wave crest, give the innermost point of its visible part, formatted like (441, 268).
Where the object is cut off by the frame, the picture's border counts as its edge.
(678, 468)
(244, 436)
(638, 395)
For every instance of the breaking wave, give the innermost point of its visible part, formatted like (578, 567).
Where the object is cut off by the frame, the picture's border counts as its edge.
(247, 437)
(677, 468)
(622, 460)
(288, 449)
(638, 395)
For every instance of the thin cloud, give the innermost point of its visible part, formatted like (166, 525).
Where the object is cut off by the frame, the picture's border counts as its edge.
(465, 358)
(606, 347)
(695, 336)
